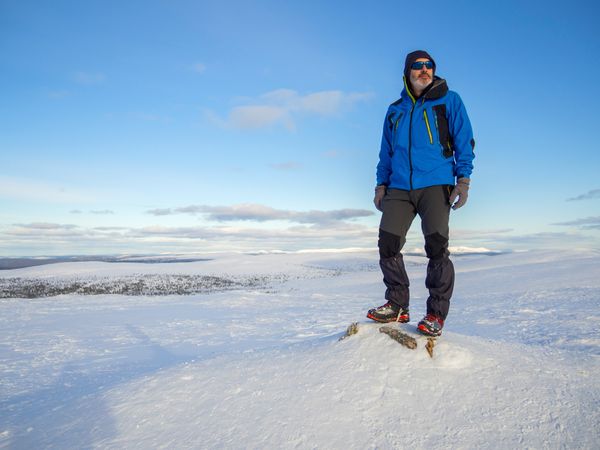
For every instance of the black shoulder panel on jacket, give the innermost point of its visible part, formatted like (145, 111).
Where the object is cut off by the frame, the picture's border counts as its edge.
(397, 102)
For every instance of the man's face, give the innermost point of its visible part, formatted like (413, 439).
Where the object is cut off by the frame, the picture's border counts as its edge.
(422, 77)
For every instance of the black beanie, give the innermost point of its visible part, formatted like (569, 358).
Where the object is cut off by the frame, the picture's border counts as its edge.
(412, 57)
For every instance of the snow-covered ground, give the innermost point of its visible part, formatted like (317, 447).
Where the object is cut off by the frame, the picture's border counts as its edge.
(261, 365)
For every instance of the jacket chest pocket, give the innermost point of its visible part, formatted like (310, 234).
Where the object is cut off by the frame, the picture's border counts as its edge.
(395, 124)
(428, 126)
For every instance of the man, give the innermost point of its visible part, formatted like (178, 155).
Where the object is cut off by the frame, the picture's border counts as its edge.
(427, 145)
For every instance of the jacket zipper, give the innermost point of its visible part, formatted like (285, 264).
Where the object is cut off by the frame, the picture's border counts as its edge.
(410, 146)
(414, 103)
(428, 128)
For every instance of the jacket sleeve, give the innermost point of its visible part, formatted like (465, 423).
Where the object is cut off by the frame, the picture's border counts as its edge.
(384, 167)
(462, 138)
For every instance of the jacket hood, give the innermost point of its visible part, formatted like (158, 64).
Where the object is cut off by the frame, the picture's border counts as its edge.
(412, 57)
(438, 88)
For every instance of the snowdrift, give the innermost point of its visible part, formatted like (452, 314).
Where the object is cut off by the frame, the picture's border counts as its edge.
(263, 367)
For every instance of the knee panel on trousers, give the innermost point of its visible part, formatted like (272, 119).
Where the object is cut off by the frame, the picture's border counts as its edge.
(389, 244)
(436, 246)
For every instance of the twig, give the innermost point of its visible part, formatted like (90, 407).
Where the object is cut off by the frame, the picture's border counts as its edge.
(352, 329)
(400, 337)
(429, 346)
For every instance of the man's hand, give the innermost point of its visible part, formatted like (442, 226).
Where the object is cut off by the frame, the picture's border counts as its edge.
(460, 191)
(379, 194)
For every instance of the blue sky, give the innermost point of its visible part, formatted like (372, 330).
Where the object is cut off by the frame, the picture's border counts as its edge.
(197, 126)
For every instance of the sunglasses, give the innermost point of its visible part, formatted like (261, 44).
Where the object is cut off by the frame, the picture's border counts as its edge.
(419, 65)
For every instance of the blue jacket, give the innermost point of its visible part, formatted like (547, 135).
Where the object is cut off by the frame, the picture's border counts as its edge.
(426, 141)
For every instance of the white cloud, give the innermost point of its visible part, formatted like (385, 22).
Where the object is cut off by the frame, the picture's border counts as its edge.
(593, 194)
(211, 117)
(325, 103)
(511, 239)
(260, 116)
(283, 107)
(58, 95)
(463, 234)
(588, 223)
(286, 166)
(47, 238)
(199, 68)
(97, 212)
(285, 97)
(262, 213)
(89, 78)
(46, 226)
(261, 236)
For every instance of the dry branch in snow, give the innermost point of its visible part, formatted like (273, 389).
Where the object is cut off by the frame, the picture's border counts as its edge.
(400, 337)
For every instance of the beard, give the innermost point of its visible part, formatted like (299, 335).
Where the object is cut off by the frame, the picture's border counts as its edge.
(420, 83)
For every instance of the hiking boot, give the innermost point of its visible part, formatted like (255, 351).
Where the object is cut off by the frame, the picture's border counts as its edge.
(431, 325)
(389, 312)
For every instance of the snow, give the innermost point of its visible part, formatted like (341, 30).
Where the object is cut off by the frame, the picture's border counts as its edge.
(262, 366)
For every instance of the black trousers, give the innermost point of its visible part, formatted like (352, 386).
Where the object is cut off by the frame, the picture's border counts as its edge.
(399, 210)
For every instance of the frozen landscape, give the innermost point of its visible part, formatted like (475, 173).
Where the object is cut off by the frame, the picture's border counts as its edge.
(243, 351)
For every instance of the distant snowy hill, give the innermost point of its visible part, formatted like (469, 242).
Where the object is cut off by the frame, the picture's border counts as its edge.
(257, 363)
